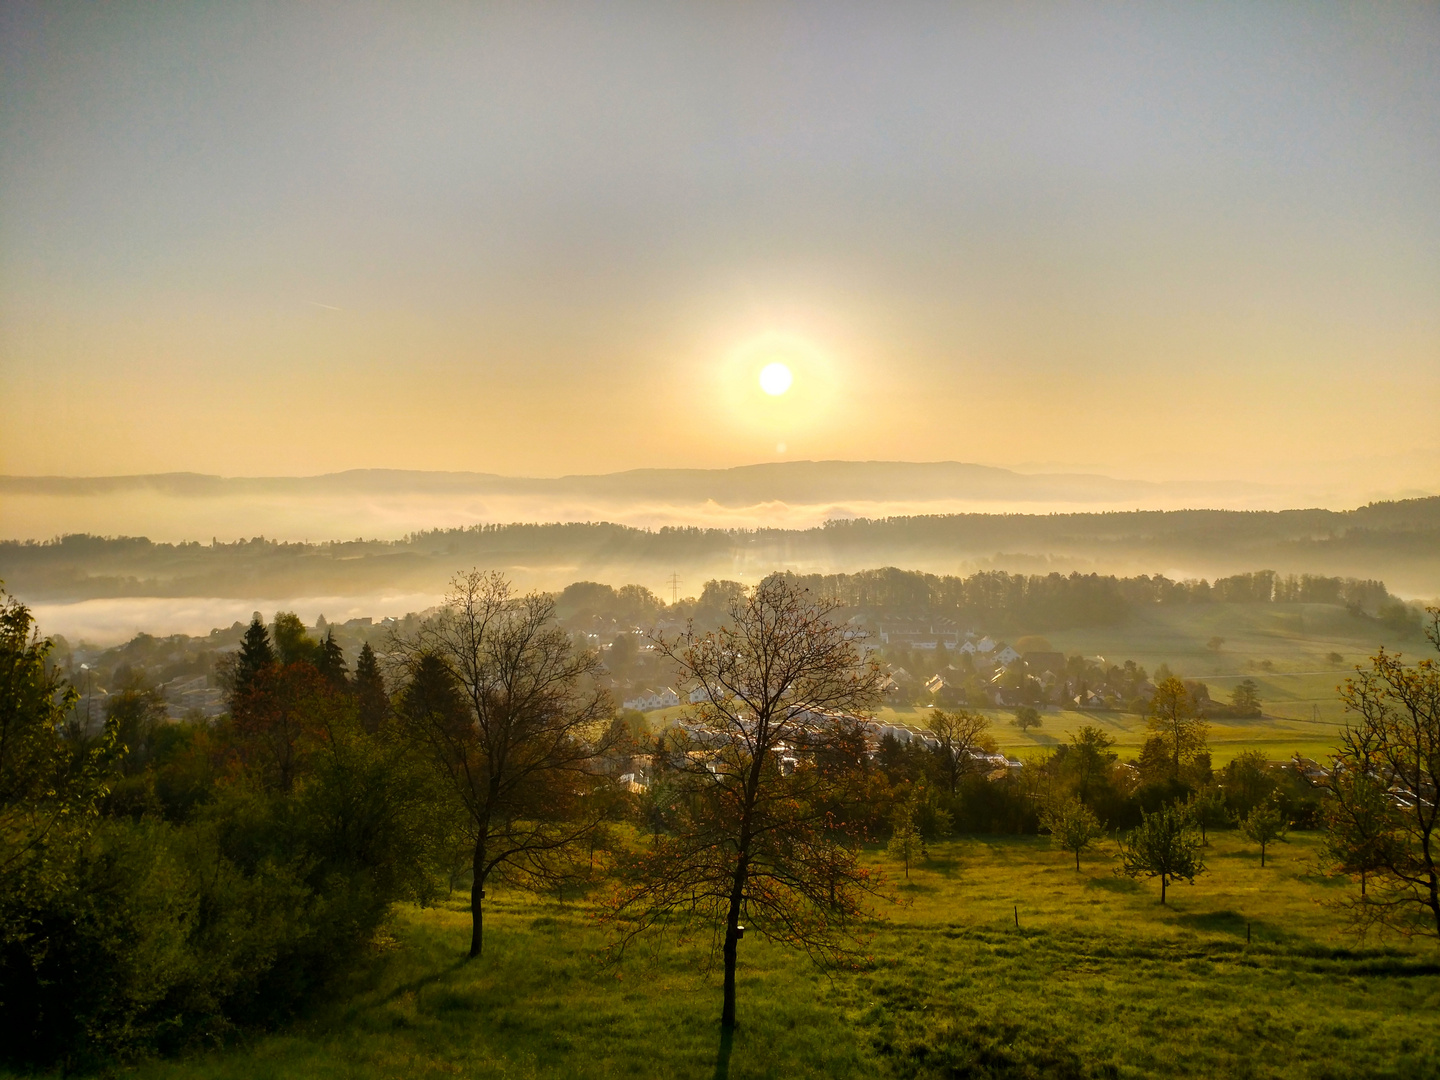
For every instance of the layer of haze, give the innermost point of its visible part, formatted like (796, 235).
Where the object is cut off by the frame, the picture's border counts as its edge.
(1162, 241)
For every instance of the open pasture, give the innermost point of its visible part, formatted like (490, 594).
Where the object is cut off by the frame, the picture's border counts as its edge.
(1292, 637)
(1286, 649)
(1098, 979)
(1278, 737)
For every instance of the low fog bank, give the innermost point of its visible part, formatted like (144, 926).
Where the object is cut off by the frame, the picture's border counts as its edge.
(111, 586)
(111, 621)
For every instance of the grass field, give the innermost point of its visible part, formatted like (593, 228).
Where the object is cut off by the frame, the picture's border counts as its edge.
(1278, 737)
(1284, 648)
(1293, 637)
(1098, 979)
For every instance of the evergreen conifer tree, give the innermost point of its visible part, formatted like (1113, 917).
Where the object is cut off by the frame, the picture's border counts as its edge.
(331, 662)
(370, 694)
(255, 655)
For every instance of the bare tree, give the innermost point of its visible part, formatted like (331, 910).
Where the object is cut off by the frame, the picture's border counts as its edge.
(514, 721)
(767, 760)
(1383, 806)
(961, 736)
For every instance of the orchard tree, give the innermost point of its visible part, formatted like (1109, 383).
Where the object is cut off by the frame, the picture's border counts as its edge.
(1165, 845)
(1382, 807)
(514, 722)
(768, 763)
(906, 844)
(1264, 825)
(1074, 827)
(1207, 808)
(1026, 717)
(1361, 830)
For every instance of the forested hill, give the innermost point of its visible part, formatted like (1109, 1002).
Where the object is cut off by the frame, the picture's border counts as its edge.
(1398, 542)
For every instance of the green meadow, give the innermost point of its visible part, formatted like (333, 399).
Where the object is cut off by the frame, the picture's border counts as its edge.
(1287, 649)
(1278, 737)
(996, 959)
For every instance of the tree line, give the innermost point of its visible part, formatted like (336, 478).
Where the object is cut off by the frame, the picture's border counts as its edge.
(996, 601)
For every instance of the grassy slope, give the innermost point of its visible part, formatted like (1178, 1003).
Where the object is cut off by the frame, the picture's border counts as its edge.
(1277, 737)
(1099, 979)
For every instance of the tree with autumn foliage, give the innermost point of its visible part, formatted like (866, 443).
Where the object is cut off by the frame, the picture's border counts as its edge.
(1173, 720)
(767, 760)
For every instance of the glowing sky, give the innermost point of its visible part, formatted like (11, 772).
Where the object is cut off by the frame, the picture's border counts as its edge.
(1195, 241)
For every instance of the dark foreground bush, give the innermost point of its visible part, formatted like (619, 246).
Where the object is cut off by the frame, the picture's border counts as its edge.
(161, 937)
(153, 900)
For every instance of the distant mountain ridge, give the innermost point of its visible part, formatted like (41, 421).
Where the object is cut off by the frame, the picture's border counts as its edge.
(796, 482)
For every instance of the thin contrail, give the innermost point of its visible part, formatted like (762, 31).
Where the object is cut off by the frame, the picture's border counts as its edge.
(327, 307)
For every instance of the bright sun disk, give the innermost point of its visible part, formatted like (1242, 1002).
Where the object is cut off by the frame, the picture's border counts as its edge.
(775, 379)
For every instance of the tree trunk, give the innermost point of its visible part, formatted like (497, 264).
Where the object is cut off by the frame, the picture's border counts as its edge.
(732, 941)
(1434, 893)
(1162, 888)
(1262, 856)
(1077, 860)
(477, 900)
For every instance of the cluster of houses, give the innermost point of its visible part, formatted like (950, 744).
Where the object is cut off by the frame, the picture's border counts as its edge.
(185, 696)
(650, 699)
(933, 635)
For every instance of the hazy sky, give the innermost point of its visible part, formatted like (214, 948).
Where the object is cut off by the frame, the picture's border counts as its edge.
(1192, 241)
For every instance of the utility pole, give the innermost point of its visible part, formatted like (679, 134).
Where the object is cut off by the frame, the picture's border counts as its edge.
(674, 583)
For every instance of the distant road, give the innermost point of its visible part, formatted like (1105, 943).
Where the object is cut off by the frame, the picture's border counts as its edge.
(1268, 674)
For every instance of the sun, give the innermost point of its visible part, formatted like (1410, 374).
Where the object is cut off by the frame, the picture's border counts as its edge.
(775, 379)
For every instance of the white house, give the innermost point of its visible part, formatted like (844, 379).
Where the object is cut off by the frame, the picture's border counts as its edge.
(654, 699)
